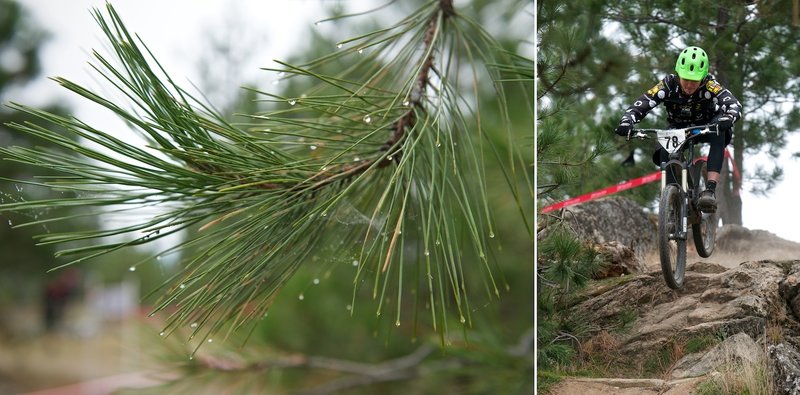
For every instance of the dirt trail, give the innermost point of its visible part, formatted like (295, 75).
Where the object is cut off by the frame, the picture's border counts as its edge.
(54, 360)
(734, 246)
(625, 387)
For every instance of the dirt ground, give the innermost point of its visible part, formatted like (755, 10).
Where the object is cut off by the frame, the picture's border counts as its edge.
(624, 387)
(733, 249)
(69, 362)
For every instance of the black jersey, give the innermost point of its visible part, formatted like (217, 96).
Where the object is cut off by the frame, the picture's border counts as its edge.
(710, 99)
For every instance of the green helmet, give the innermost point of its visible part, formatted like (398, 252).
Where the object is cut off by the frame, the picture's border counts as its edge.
(692, 64)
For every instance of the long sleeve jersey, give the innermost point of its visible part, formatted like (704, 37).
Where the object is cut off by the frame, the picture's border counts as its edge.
(710, 99)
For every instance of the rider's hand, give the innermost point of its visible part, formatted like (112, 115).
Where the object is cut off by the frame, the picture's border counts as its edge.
(724, 122)
(624, 128)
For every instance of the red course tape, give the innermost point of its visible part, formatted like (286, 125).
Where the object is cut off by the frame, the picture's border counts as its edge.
(625, 185)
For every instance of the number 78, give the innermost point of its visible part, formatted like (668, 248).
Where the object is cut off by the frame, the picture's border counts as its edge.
(673, 140)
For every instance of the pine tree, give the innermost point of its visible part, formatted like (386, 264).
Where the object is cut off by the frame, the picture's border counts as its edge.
(749, 47)
(385, 156)
(569, 148)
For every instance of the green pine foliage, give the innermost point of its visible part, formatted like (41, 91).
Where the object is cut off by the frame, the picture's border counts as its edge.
(564, 267)
(576, 68)
(582, 71)
(383, 158)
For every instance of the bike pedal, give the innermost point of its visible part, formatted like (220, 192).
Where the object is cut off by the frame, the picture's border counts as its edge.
(707, 207)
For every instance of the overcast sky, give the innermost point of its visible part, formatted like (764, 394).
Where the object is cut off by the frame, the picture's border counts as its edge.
(181, 33)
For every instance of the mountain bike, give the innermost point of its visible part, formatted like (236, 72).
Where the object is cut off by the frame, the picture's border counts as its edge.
(683, 178)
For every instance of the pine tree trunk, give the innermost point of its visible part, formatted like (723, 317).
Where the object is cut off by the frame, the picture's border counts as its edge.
(729, 190)
(796, 13)
(723, 193)
(735, 203)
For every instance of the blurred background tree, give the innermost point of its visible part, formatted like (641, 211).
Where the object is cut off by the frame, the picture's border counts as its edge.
(22, 264)
(31, 298)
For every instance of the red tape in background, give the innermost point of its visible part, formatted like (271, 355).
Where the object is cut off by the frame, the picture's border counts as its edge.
(604, 192)
(625, 185)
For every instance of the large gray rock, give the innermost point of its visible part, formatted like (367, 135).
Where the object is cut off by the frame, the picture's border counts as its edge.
(785, 368)
(613, 218)
(790, 287)
(619, 260)
(735, 351)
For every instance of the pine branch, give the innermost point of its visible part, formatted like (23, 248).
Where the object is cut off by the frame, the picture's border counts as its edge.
(420, 363)
(386, 137)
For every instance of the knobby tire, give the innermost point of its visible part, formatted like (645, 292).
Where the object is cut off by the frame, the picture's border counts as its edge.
(672, 251)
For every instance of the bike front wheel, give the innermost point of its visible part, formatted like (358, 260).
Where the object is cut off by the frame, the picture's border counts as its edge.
(671, 242)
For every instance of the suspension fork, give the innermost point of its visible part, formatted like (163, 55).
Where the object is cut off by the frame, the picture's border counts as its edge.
(685, 205)
(683, 193)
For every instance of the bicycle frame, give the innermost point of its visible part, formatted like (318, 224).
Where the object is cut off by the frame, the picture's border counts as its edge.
(676, 160)
(678, 200)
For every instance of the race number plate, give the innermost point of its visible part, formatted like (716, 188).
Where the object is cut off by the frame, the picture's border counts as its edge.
(671, 139)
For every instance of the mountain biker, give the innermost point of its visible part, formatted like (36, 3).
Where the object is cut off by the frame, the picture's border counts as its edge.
(692, 97)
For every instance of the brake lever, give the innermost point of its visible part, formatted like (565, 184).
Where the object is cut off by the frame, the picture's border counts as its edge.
(638, 135)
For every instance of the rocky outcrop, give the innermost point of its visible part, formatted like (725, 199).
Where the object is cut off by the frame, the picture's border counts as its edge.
(738, 350)
(734, 306)
(615, 218)
(737, 240)
(741, 305)
(712, 301)
(785, 367)
(619, 260)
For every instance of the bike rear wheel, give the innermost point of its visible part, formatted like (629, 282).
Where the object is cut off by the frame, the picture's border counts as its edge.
(671, 247)
(704, 231)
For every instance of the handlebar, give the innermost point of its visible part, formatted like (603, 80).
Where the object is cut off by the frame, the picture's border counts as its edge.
(691, 131)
